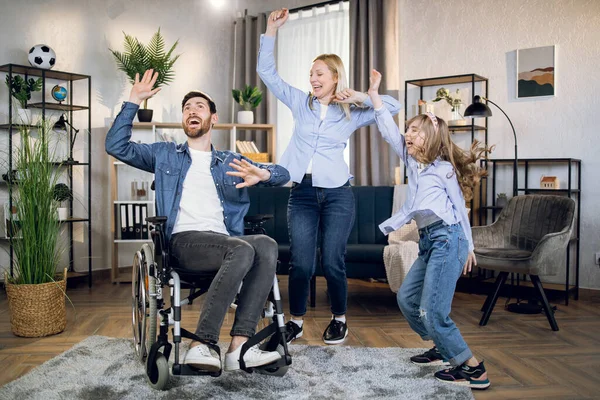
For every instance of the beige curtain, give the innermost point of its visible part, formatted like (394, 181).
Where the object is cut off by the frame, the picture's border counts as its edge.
(374, 35)
(247, 41)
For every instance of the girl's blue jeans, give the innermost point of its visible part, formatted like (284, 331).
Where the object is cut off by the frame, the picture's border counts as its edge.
(426, 294)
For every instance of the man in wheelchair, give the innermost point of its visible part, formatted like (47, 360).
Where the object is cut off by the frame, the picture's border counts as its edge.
(203, 193)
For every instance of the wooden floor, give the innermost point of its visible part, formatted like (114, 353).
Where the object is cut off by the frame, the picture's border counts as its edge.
(524, 358)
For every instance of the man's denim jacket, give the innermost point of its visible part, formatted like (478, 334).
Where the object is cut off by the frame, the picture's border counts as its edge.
(170, 163)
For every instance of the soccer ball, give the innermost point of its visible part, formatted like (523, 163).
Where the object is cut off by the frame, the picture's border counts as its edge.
(42, 56)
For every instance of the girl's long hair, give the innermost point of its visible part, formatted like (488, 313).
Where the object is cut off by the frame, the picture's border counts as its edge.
(438, 143)
(336, 66)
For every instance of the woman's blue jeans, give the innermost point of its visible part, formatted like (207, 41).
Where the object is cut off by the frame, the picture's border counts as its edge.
(319, 213)
(426, 294)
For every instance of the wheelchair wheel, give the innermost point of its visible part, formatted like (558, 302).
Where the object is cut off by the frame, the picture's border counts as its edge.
(144, 307)
(152, 323)
(158, 374)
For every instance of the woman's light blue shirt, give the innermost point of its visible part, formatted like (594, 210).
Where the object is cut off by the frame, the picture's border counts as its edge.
(323, 141)
(436, 188)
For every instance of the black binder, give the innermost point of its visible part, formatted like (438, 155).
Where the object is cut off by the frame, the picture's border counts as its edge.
(123, 221)
(137, 221)
(144, 209)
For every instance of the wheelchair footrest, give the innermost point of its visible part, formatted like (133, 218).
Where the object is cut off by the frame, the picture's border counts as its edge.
(184, 369)
(282, 362)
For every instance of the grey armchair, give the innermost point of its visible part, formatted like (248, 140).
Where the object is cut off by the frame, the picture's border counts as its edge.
(530, 237)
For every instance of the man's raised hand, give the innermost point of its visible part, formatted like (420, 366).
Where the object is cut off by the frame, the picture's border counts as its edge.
(250, 173)
(142, 89)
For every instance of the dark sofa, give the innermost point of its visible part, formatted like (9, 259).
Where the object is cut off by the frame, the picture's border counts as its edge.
(364, 255)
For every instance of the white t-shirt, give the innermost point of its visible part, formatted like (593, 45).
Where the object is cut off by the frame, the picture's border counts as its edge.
(200, 208)
(324, 108)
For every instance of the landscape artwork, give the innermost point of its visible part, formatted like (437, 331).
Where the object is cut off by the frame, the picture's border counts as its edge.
(536, 73)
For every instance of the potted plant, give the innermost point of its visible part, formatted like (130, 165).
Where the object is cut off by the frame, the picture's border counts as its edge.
(138, 58)
(36, 297)
(21, 89)
(455, 100)
(62, 193)
(502, 200)
(248, 98)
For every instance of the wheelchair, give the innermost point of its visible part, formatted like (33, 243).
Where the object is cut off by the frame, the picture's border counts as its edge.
(151, 317)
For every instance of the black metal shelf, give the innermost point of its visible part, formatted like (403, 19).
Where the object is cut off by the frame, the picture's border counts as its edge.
(491, 207)
(447, 80)
(466, 128)
(57, 106)
(74, 219)
(16, 126)
(534, 160)
(68, 107)
(46, 73)
(532, 190)
(465, 80)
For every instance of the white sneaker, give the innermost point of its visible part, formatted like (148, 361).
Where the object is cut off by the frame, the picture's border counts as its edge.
(201, 357)
(254, 357)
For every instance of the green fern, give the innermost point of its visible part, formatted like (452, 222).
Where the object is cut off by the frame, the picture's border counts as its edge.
(248, 98)
(137, 58)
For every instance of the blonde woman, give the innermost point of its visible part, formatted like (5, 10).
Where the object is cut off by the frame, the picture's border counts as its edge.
(321, 204)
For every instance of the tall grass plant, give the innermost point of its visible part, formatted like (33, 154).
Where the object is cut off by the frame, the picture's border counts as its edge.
(36, 247)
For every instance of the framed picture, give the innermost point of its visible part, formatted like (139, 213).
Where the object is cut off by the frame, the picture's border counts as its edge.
(536, 72)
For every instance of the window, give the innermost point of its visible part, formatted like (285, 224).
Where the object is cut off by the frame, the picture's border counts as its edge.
(305, 35)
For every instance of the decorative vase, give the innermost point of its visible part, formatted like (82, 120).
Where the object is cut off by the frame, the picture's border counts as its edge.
(63, 213)
(245, 117)
(21, 116)
(456, 118)
(37, 310)
(144, 115)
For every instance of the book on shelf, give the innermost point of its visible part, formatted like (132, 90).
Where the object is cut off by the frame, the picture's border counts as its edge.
(246, 146)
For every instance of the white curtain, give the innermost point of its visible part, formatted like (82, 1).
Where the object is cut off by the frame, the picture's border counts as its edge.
(304, 36)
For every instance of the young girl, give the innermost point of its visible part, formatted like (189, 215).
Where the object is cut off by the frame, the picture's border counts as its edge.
(321, 199)
(439, 174)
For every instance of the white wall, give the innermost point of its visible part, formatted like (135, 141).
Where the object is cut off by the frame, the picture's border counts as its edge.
(439, 38)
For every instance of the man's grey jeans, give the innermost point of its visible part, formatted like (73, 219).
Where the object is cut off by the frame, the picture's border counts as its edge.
(248, 259)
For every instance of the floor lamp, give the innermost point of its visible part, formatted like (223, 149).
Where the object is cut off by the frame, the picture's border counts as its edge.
(480, 109)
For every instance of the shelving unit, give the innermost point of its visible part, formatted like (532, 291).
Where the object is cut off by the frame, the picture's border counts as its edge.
(488, 214)
(477, 84)
(69, 108)
(117, 167)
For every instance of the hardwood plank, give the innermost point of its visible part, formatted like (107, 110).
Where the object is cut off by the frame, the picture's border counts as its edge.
(525, 359)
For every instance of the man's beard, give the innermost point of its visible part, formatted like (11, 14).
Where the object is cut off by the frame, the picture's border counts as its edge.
(194, 133)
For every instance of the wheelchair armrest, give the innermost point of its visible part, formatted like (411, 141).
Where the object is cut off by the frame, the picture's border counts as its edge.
(258, 218)
(156, 220)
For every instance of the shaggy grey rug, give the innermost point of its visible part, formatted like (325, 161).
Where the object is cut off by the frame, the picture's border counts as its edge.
(105, 368)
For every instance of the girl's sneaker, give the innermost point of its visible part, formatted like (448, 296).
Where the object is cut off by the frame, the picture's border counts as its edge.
(463, 375)
(430, 357)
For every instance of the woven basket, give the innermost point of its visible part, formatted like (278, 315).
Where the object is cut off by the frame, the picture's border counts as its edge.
(37, 310)
(257, 157)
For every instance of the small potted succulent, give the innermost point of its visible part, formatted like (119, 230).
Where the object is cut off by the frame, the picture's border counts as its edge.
(62, 193)
(502, 200)
(249, 98)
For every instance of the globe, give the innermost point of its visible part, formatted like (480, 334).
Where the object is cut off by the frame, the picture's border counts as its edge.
(59, 93)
